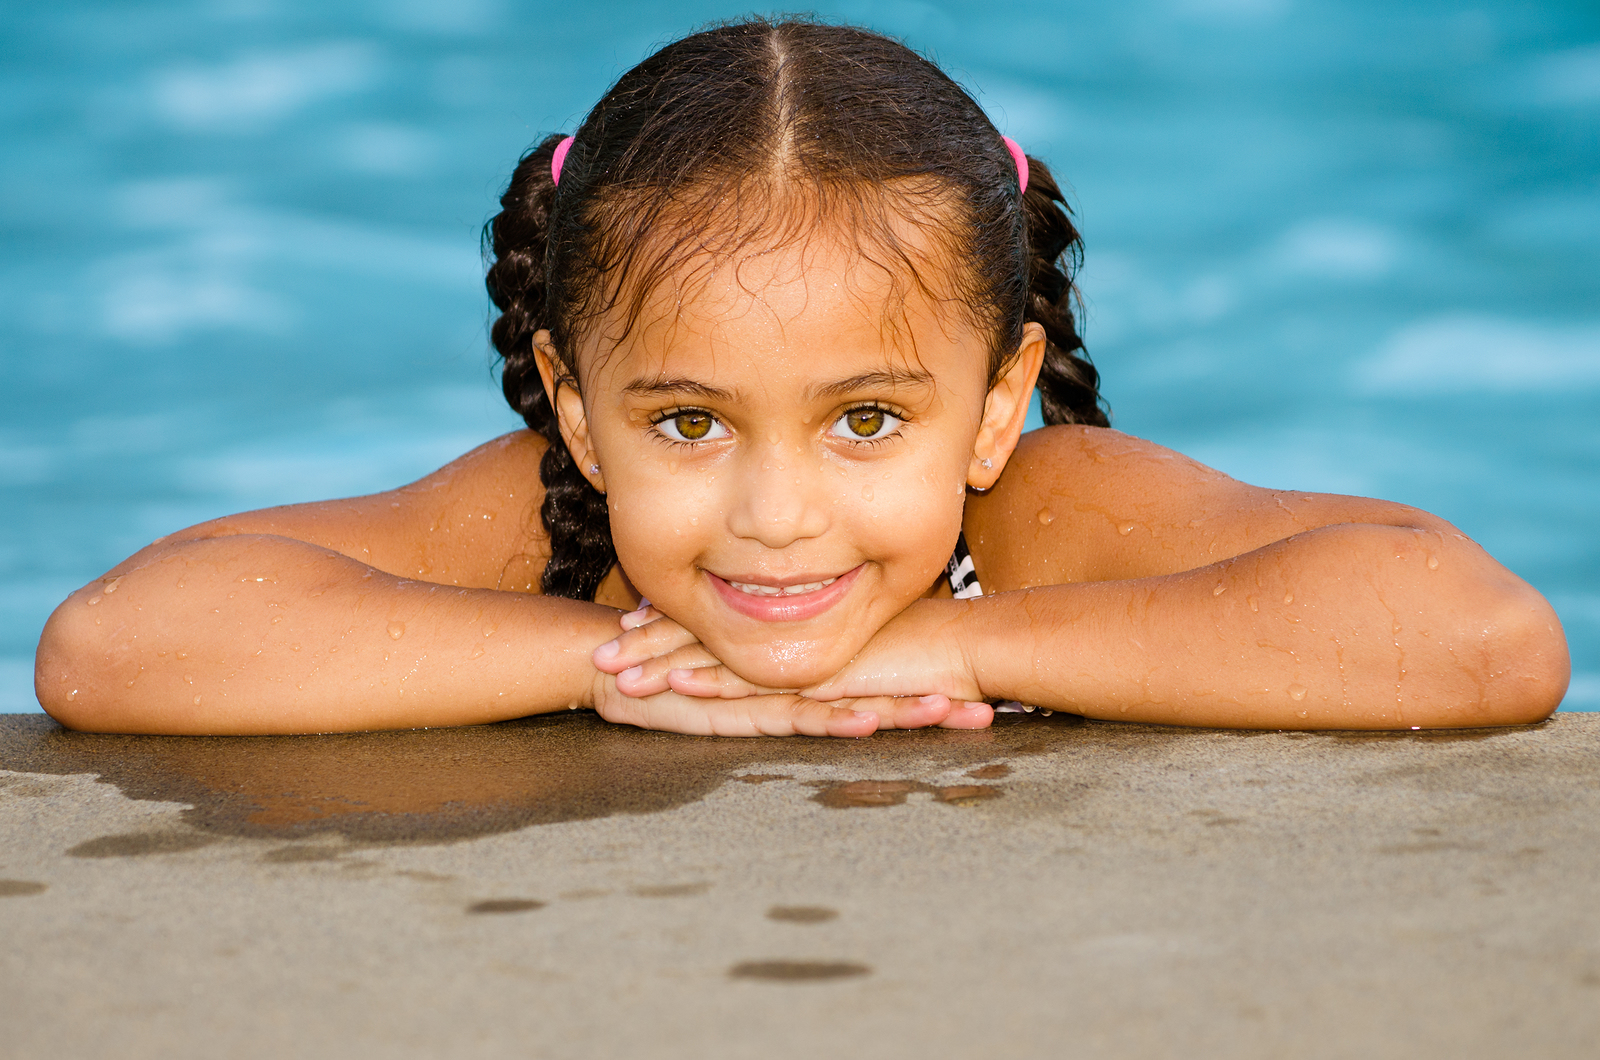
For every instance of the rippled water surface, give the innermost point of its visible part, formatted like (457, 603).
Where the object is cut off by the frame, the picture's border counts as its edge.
(1349, 247)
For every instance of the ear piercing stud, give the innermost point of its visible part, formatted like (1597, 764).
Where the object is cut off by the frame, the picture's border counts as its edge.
(988, 465)
(594, 469)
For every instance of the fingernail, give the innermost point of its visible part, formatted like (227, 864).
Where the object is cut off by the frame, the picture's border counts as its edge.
(929, 701)
(865, 714)
(632, 673)
(638, 613)
(608, 650)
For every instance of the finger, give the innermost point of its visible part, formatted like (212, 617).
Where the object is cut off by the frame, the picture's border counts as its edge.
(648, 641)
(967, 715)
(807, 717)
(752, 716)
(905, 712)
(714, 681)
(643, 616)
(650, 677)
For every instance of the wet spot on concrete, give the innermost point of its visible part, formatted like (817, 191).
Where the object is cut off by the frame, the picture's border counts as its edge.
(963, 794)
(846, 794)
(505, 905)
(801, 914)
(138, 844)
(797, 971)
(304, 852)
(842, 795)
(990, 772)
(583, 893)
(21, 888)
(444, 785)
(671, 890)
(761, 778)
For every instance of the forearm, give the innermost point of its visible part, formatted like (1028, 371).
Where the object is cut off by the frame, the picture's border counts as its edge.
(1348, 626)
(259, 634)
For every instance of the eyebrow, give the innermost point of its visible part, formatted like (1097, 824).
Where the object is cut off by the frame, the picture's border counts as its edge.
(880, 380)
(676, 387)
(884, 379)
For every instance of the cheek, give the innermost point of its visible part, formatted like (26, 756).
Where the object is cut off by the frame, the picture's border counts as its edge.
(908, 518)
(660, 521)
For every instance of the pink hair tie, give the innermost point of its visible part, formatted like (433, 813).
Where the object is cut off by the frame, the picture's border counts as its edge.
(1017, 156)
(564, 146)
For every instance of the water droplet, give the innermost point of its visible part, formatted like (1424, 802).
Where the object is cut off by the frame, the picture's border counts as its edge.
(479, 653)
(694, 520)
(276, 619)
(72, 695)
(489, 631)
(1252, 602)
(1433, 564)
(111, 584)
(1045, 517)
(1125, 530)
(866, 493)
(197, 701)
(182, 654)
(1219, 590)
(93, 600)
(1288, 598)
(294, 647)
(1297, 693)
(397, 630)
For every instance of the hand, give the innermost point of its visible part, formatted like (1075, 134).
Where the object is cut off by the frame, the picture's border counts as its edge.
(921, 651)
(657, 675)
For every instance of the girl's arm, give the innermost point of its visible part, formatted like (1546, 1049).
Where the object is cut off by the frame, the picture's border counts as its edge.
(1134, 584)
(411, 608)
(377, 612)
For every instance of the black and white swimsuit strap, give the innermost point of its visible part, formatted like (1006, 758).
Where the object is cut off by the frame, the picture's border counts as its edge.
(963, 575)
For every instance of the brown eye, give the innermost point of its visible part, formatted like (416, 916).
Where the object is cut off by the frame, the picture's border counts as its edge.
(692, 426)
(865, 423)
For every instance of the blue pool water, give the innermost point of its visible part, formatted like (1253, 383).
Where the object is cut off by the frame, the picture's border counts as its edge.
(1337, 246)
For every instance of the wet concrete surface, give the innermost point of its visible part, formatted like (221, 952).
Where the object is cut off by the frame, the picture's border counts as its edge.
(560, 887)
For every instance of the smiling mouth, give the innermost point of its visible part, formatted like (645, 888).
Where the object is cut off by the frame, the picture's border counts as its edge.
(757, 589)
(797, 602)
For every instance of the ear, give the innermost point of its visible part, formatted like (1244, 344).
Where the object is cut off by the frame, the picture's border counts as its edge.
(1006, 409)
(571, 418)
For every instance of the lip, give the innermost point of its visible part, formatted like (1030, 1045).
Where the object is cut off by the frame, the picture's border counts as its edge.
(785, 608)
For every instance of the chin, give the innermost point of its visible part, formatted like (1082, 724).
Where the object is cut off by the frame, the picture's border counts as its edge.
(786, 665)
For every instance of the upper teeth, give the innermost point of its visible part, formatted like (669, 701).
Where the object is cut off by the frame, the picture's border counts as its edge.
(780, 590)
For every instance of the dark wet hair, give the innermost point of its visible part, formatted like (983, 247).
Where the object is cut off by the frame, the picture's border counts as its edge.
(690, 152)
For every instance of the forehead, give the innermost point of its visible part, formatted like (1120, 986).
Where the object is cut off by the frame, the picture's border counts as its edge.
(816, 302)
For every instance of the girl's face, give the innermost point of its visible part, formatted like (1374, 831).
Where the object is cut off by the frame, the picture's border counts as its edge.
(785, 445)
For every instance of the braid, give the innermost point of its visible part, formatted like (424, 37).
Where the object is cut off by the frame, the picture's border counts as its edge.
(1068, 382)
(574, 512)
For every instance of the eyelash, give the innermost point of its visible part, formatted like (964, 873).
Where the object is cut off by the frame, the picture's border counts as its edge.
(671, 414)
(873, 406)
(867, 406)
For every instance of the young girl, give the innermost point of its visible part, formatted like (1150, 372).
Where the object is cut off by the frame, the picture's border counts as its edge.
(773, 317)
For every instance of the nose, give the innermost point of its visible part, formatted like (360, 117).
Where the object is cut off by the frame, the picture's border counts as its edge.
(779, 499)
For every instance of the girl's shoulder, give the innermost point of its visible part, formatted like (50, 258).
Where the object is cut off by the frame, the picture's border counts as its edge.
(1079, 504)
(473, 523)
